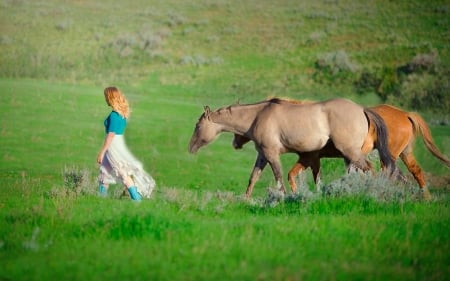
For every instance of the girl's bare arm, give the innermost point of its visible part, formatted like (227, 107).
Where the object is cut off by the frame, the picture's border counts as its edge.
(108, 139)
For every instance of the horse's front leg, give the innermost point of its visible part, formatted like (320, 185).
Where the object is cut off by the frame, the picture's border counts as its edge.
(260, 164)
(276, 169)
(305, 160)
(295, 170)
(315, 167)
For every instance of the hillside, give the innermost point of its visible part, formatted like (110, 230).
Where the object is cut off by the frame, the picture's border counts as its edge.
(224, 49)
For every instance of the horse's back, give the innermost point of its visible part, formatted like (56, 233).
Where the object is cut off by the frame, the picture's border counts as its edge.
(306, 127)
(296, 127)
(340, 106)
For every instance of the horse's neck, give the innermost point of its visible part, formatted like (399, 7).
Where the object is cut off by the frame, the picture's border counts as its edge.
(239, 118)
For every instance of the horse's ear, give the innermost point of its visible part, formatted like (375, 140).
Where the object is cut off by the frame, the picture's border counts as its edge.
(207, 111)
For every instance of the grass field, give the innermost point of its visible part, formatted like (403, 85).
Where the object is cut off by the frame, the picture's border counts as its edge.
(170, 58)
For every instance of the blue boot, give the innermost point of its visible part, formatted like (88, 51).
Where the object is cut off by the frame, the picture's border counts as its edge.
(134, 194)
(102, 191)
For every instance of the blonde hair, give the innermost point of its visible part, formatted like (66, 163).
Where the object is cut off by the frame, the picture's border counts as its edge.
(117, 101)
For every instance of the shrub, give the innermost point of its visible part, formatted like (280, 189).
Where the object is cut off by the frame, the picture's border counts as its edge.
(5, 40)
(389, 83)
(428, 62)
(421, 84)
(64, 25)
(361, 186)
(199, 60)
(367, 82)
(335, 62)
(77, 181)
(129, 44)
(335, 66)
(378, 187)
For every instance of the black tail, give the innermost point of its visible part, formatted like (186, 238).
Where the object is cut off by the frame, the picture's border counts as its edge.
(381, 144)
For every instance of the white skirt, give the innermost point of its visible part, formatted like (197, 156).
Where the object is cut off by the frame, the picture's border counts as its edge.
(119, 163)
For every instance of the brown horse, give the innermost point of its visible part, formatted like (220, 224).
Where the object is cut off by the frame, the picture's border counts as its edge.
(403, 128)
(277, 126)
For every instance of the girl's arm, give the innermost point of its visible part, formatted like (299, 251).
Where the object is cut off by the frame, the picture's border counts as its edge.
(108, 139)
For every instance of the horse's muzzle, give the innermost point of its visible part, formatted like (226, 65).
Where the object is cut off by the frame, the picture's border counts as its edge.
(192, 149)
(194, 146)
(236, 145)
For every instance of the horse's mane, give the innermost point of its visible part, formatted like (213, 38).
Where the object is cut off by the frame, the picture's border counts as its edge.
(225, 108)
(279, 100)
(276, 100)
(230, 107)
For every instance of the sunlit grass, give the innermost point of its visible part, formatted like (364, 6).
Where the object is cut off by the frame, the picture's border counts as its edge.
(186, 232)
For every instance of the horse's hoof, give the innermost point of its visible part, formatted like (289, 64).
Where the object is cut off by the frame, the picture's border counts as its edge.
(426, 194)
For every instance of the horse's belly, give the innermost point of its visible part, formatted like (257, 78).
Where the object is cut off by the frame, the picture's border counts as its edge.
(309, 144)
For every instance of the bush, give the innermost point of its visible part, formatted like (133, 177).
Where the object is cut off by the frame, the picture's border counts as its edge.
(421, 84)
(419, 91)
(389, 83)
(377, 187)
(367, 82)
(76, 182)
(360, 186)
(422, 63)
(335, 66)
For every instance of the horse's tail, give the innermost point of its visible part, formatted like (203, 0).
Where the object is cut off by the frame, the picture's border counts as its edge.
(381, 142)
(421, 127)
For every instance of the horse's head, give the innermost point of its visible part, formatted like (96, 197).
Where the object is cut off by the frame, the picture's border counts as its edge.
(239, 141)
(205, 131)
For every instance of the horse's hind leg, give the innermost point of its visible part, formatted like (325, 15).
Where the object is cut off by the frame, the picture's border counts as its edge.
(416, 171)
(356, 159)
(260, 164)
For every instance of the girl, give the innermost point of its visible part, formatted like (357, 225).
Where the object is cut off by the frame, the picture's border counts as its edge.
(117, 163)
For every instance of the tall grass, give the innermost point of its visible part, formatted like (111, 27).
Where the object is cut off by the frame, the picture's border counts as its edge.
(204, 235)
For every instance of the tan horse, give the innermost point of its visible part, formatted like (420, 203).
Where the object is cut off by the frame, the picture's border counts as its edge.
(277, 126)
(403, 128)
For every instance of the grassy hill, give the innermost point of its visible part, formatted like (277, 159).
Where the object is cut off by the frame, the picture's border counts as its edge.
(237, 49)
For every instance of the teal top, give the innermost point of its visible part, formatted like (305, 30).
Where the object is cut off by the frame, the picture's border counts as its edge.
(115, 123)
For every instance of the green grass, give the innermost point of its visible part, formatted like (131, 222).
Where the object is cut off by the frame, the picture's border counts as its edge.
(57, 56)
(186, 235)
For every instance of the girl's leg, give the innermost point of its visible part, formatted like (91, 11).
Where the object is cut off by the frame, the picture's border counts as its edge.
(103, 189)
(105, 178)
(134, 194)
